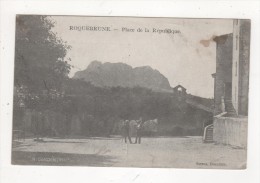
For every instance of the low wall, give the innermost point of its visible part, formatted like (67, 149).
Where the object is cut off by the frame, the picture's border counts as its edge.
(230, 131)
(45, 122)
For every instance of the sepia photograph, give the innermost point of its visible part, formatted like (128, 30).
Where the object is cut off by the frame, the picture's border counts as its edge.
(131, 92)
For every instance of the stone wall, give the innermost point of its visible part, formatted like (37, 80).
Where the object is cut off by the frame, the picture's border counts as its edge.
(230, 131)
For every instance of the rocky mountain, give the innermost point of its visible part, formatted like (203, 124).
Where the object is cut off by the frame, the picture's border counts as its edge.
(121, 74)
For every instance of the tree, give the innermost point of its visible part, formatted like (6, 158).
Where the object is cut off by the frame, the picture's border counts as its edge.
(41, 65)
(40, 55)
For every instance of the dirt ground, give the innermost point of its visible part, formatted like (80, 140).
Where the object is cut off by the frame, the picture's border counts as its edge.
(163, 152)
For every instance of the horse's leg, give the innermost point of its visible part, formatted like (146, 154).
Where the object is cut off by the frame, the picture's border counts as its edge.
(140, 136)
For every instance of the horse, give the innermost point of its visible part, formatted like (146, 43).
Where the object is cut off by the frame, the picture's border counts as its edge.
(150, 126)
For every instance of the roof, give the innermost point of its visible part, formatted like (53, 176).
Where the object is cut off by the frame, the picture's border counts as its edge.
(222, 38)
(199, 106)
(201, 103)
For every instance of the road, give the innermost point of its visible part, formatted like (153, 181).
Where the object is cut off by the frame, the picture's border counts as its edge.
(161, 152)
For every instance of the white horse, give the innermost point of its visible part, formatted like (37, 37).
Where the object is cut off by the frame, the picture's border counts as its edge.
(150, 125)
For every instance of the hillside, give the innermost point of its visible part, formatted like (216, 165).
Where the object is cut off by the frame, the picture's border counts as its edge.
(120, 74)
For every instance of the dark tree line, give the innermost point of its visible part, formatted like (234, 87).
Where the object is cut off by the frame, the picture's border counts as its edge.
(123, 103)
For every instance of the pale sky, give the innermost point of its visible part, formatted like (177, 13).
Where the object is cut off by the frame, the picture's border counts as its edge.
(186, 58)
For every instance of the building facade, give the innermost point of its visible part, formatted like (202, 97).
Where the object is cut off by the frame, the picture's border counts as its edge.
(232, 85)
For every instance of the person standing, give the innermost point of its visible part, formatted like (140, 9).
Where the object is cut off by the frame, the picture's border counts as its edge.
(139, 132)
(126, 131)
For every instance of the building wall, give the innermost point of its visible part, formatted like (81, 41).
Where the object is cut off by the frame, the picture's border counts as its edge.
(230, 131)
(235, 66)
(233, 130)
(240, 70)
(244, 53)
(223, 68)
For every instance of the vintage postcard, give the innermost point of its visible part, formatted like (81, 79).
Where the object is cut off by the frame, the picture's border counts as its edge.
(131, 92)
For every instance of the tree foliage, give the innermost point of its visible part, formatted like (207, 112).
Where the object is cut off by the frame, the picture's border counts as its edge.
(119, 102)
(40, 55)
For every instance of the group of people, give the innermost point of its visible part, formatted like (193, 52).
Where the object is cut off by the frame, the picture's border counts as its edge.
(126, 131)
